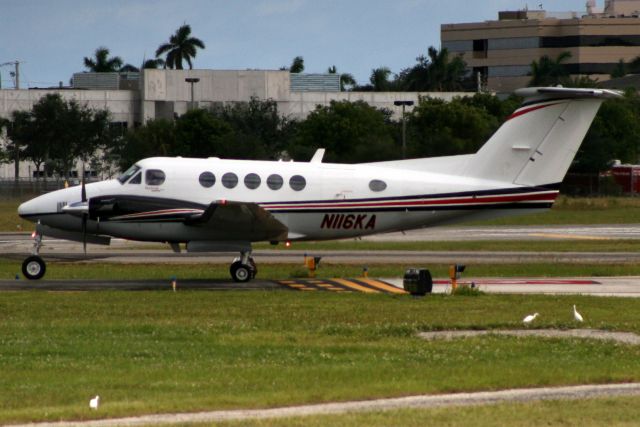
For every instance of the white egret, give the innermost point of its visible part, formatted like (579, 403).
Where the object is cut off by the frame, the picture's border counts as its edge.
(577, 316)
(93, 403)
(529, 318)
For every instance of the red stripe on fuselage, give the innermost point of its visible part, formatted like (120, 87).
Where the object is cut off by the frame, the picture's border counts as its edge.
(528, 110)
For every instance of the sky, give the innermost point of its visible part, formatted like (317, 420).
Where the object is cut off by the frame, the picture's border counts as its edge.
(51, 37)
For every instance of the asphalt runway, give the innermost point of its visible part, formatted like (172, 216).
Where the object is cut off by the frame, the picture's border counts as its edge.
(18, 246)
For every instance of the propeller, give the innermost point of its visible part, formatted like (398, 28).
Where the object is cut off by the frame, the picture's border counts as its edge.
(85, 215)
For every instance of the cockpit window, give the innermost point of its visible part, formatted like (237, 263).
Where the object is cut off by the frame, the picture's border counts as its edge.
(128, 174)
(136, 179)
(154, 177)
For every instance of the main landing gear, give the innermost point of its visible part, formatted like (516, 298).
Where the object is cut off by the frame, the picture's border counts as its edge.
(34, 266)
(243, 268)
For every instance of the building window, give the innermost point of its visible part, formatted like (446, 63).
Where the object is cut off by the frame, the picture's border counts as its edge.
(275, 182)
(154, 177)
(297, 182)
(207, 179)
(229, 180)
(377, 185)
(480, 48)
(252, 181)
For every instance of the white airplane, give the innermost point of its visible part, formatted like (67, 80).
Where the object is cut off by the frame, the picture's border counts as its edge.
(224, 205)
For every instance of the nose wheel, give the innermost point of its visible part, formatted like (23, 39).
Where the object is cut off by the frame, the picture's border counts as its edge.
(34, 267)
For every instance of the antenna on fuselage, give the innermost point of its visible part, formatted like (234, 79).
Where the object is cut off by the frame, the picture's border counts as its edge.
(317, 157)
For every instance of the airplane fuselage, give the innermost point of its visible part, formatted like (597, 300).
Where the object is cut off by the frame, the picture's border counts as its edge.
(315, 201)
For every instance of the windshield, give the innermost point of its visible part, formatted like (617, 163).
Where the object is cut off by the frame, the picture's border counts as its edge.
(128, 174)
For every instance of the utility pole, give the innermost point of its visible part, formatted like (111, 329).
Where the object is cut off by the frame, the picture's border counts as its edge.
(192, 81)
(404, 125)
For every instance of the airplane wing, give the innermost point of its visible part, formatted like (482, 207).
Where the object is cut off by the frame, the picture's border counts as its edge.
(242, 220)
(241, 217)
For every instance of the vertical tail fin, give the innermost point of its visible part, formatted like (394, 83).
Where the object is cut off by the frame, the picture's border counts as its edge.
(538, 142)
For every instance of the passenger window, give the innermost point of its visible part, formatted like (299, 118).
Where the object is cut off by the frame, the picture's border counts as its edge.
(252, 181)
(230, 180)
(136, 179)
(275, 182)
(377, 185)
(297, 182)
(207, 179)
(154, 177)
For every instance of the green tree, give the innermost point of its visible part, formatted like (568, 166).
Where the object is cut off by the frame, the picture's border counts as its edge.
(181, 46)
(101, 63)
(439, 128)
(153, 64)
(549, 72)
(201, 134)
(350, 131)
(614, 134)
(437, 71)
(154, 138)
(347, 81)
(620, 70)
(259, 131)
(19, 132)
(380, 79)
(297, 65)
(62, 131)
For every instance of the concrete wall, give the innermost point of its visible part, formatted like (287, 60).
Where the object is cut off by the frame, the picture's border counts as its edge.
(123, 104)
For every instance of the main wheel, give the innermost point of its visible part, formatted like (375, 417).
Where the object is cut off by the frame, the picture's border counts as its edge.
(241, 272)
(34, 267)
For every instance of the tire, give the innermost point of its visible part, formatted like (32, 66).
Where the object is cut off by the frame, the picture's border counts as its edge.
(33, 267)
(241, 272)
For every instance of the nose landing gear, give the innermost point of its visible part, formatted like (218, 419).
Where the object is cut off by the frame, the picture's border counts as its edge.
(34, 266)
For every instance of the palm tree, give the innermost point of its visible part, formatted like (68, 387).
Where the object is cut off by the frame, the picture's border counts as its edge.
(436, 71)
(180, 47)
(380, 79)
(297, 66)
(346, 80)
(549, 72)
(153, 63)
(102, 63)
(128, 68)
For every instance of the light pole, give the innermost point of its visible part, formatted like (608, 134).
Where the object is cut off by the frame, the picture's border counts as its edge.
(192, 81)
(404, 125)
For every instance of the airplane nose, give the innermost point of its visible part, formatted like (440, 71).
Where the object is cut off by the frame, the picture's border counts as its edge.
(25, 209)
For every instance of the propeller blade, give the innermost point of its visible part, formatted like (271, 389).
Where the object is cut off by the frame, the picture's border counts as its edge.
(84, 233)
(83, 190)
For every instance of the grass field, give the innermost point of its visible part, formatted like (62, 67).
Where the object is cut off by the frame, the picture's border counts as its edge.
(162, 351)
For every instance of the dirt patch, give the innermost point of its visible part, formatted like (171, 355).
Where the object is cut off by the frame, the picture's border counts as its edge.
(621, 337)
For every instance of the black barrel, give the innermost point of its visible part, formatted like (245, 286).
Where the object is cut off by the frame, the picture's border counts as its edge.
(417, 281)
